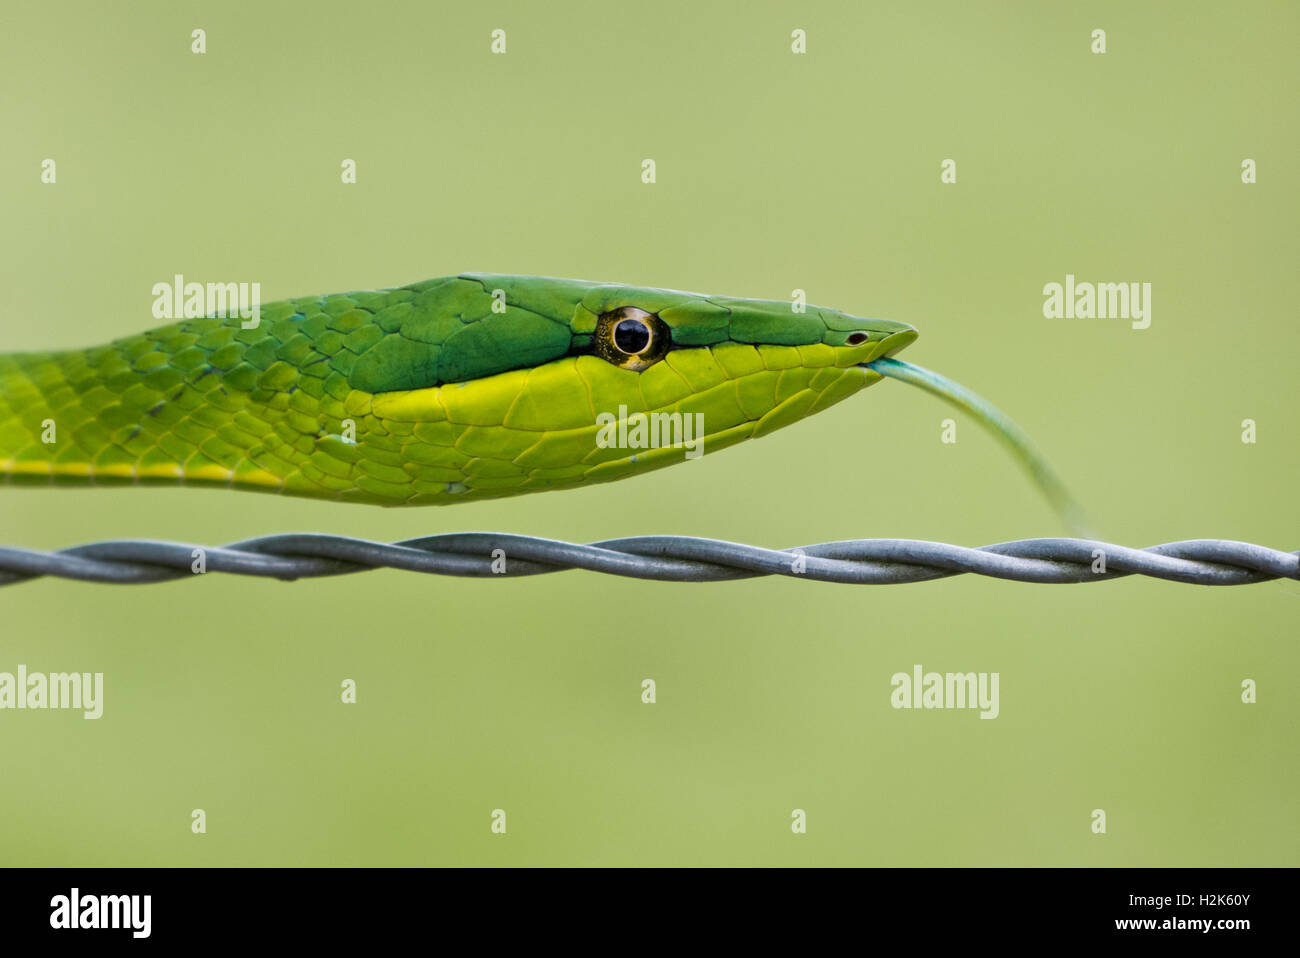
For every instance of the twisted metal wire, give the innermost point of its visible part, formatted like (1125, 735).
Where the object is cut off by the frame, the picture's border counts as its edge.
(666, 558)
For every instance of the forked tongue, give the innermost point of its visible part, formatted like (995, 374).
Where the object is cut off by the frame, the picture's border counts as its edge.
(1001, 426)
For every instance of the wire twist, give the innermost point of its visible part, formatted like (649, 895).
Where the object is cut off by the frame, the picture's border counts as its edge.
(667, 558)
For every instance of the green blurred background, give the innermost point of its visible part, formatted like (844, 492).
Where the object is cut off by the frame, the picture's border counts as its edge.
(775, 171)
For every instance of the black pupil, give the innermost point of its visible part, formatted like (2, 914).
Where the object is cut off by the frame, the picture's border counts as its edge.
(631, 336)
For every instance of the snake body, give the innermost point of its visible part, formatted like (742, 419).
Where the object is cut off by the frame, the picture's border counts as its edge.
(459, 388)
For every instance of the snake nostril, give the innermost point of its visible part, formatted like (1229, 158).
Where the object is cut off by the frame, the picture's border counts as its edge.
(856, 339)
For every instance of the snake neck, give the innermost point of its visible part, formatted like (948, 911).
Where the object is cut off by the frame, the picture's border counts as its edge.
(94, 416)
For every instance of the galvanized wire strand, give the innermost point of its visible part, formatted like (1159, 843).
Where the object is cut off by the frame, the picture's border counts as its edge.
(666, 558)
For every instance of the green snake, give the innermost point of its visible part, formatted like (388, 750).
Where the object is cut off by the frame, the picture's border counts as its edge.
(460, 388)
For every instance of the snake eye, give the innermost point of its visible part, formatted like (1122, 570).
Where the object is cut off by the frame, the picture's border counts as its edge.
(856, 339)
(631, 338)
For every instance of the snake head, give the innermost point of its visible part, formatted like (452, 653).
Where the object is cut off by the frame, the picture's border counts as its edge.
(528, 371)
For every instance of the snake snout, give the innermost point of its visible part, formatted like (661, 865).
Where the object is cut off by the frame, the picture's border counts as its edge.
(897, 340)
(888, 338)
